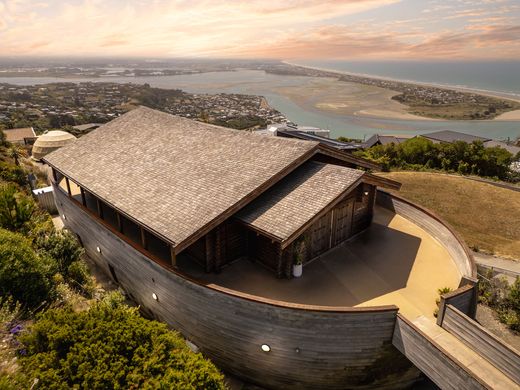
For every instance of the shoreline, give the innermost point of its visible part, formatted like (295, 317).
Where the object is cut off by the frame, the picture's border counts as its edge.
(513, 115)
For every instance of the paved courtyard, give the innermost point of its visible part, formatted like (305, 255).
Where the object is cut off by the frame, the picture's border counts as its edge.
(393, 262)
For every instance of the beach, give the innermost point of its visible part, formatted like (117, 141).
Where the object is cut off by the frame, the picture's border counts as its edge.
(329, 96)
(381, 105)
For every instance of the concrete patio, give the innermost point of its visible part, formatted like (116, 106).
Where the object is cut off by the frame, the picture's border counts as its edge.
(393, 262)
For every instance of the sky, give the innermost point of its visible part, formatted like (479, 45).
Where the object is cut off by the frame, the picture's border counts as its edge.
(286, 29)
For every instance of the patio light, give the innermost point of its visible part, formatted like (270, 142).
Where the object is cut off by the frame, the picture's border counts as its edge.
(266, 348)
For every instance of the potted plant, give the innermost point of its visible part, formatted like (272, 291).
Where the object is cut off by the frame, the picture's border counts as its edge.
(299, 254)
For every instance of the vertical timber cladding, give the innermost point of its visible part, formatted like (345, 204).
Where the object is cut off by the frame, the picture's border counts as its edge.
(363, 208)
(336, 349)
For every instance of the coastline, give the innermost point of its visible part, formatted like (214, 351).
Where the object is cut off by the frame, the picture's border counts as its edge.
(507, 116)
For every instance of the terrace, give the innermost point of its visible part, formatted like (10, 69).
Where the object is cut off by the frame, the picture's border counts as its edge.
(394, 262)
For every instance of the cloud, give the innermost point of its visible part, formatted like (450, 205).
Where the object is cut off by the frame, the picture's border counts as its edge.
(261, 28)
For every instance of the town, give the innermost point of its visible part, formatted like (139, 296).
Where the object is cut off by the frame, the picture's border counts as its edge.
(56, 105)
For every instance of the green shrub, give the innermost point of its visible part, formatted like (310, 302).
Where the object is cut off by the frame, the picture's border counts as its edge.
(420, 153)
(111, 346)
(12, 173)
(9, 310)
(16, 208)
(65, 252)
(23, 274)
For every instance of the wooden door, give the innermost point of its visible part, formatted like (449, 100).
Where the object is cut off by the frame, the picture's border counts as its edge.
(342, 221)
(320, 236)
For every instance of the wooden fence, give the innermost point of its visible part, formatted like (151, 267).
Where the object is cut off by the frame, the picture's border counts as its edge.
(486, 344)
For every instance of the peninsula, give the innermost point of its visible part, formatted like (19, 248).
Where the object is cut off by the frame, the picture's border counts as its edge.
(419, 99)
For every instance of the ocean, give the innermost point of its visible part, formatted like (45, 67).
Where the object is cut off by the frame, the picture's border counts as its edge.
(502, 76)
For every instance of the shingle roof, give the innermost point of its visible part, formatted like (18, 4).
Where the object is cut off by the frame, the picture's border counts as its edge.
(18, 135)
(510, 148)
(176, 175)
(452, 136)
(294, 201)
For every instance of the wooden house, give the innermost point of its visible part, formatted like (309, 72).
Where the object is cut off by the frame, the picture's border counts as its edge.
(172, 186)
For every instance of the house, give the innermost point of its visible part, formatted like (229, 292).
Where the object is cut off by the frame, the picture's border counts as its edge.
(225, 189)
(20, 136)
(385, 139)
(202, 226)
(347, 147)
(449, 136)
(291, 127)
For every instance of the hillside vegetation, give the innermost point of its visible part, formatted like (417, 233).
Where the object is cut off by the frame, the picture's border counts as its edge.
(57, 329)
(488, 217)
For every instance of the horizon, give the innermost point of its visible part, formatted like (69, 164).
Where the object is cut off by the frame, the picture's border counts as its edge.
(356, 30)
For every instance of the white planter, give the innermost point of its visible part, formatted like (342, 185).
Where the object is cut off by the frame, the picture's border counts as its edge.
(297, 270)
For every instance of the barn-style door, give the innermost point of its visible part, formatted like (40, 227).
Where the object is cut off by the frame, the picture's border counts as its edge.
(342, 221)
(320, 236)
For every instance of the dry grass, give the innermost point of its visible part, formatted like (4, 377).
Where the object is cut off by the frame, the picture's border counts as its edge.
(488, 217)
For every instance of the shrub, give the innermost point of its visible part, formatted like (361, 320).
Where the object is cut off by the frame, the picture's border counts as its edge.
(65, 253)
(23, 274)
(111, 346)
(16, 209)
(12, 173)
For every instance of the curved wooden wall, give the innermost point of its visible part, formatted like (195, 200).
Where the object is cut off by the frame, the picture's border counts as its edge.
(311, 347)
(434, 225)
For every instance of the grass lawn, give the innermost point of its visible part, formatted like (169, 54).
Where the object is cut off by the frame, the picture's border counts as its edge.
(488, 217)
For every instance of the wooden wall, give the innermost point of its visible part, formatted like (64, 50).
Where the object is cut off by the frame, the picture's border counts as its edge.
(431, 359)
(483, 342)
(311, 347)
(435, 226)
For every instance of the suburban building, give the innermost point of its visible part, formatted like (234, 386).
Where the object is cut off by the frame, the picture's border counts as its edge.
(50, 141)
(204, 227)
(20, 136)
(347, 147)
(449, 136)
(291, 127)
(385, 139)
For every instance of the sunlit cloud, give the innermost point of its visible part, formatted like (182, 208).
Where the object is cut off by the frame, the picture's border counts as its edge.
(261, 28)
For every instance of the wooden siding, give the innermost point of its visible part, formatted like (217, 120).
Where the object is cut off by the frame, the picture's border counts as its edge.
(264, 250)
(342, 221)
(483, 342)
(431, 359)
(311, 347)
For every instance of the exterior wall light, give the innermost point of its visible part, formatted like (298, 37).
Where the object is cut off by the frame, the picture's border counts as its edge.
(64, 217)
(154, 296)
(366, 193)
(98, 249)
(265, 348)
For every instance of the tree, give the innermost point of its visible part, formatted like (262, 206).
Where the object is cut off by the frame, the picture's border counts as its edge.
(16, 153)
(110, 346)
(16, 209)
(23, 274)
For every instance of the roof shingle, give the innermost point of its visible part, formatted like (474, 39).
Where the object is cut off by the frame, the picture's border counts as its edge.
(173, 174)
(294, 201)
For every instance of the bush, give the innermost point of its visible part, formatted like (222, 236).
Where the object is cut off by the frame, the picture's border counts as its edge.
(65, 253)
(111, 346)
(16, 209)
(12, 173)
(462, 157)
(23, 274)
(505, 299)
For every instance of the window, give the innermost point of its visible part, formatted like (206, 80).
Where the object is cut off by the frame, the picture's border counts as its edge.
(157, 247)
(91, 202)
(109, 215)
(131, 230)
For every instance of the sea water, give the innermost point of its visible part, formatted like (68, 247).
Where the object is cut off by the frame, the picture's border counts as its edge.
(499, 76)
(260, 83)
